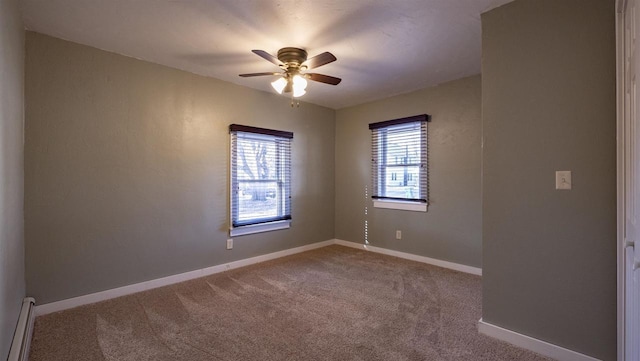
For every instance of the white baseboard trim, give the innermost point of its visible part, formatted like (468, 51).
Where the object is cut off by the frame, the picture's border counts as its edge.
(533, 344)
(413, 257)
(165, 281)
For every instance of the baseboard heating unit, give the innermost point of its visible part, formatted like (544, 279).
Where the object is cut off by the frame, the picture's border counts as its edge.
(22, 338)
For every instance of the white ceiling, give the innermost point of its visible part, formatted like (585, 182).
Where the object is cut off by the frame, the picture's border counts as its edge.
(384, 47)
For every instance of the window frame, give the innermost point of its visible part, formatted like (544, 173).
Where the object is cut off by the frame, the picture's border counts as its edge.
(282, 142)
(379, 151)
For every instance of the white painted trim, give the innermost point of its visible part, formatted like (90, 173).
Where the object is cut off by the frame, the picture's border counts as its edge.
(401, 205)
(259, 228)
(413, 257)
(165, 281)
(533, 344)
(621, 6)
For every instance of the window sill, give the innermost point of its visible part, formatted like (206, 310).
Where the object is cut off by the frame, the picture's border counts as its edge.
(401, 205)
(259, 228)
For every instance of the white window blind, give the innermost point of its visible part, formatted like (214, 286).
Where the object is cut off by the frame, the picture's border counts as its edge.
(399, 159)
(260, 175)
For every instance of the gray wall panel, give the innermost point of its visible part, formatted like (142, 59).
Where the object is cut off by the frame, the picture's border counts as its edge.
(126, 169)
(12, 280)
(450, 230)
(548, 99)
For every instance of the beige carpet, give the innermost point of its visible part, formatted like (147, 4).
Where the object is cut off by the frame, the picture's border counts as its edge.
(334, 303)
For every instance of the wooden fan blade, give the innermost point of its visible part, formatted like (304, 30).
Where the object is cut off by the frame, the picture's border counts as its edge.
(319, 60)
(258, 74)
(267, 56)
(323, 78)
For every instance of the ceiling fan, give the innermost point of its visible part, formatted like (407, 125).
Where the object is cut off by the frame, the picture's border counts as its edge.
(294, 63)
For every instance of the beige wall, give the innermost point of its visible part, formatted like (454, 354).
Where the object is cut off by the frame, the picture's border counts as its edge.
(548, 99)
(126, 170)
(12, 282)
(451, 229)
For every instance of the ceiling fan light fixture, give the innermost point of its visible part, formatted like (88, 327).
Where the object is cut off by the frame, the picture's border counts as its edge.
(279, 84)
(299, 82)
(299, 86)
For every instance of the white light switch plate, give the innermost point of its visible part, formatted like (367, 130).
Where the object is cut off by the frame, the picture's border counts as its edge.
(563, 179)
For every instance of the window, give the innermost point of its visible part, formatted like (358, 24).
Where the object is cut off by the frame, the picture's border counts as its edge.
(260, 179)
(399, 163)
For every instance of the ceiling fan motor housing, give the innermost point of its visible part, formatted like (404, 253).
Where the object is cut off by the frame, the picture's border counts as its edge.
(292, 57)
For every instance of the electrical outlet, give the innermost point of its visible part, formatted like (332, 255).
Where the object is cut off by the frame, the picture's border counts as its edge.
(230, 243)
(398, 234)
